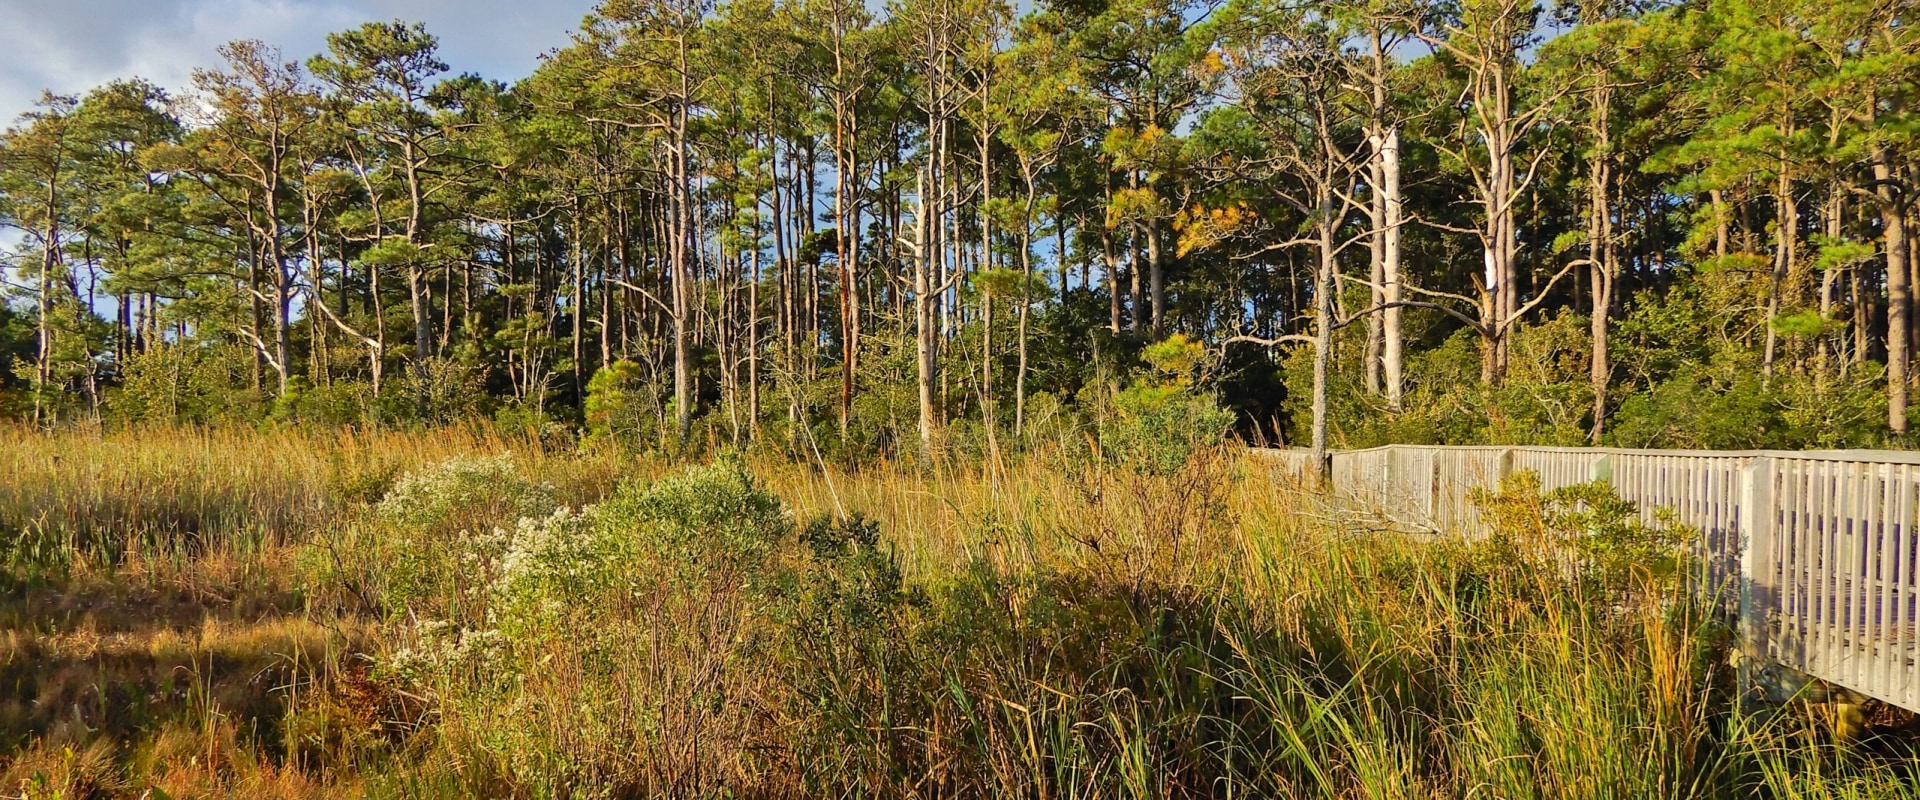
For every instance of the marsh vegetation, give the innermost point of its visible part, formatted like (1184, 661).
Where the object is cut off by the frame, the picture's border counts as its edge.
(195, 613)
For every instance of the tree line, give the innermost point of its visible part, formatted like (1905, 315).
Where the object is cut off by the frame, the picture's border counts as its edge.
(821, 225)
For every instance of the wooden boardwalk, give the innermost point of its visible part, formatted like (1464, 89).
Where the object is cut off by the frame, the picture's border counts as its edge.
(1814, 551)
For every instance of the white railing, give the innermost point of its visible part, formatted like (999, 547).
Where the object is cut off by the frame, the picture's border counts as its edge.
(1814, 551)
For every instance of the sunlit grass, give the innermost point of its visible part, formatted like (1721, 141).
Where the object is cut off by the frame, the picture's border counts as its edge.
(179, 615)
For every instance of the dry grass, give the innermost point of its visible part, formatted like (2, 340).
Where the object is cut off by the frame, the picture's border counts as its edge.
(175, 620)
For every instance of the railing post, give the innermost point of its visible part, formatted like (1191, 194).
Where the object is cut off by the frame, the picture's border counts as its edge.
(1602, 470)
(1757, 517)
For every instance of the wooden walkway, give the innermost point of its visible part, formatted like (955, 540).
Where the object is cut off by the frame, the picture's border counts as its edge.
(1814, 551)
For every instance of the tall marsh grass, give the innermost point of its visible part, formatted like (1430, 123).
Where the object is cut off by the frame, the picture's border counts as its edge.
(513, 622)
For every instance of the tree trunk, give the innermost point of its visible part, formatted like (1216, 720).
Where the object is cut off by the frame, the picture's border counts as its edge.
(1393, 346)
(926, 334)
(1899, 287)
(1157, 281)
(1026, 306)
(1599, 256)
(1783, 259)
(1325, 279)
(1113, 279)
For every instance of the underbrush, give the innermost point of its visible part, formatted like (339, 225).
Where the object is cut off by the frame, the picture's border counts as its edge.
(480, 618)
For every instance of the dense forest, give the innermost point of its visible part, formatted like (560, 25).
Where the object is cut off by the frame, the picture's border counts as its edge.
(836, 228)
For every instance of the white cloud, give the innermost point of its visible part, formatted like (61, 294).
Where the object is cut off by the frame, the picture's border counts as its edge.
(70, 46)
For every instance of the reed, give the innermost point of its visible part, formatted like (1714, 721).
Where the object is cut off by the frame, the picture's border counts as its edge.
(1050, 627)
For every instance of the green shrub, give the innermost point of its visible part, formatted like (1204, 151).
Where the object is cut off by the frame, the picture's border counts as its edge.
(439, 390)
(335, 403)
(186, 382)
(616, 634)
(1585, 531)
(1157, 425)
(855, 581)
(705, 523)
(1157, 430)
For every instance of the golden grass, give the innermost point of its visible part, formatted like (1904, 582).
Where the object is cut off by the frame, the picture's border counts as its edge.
(169, 629)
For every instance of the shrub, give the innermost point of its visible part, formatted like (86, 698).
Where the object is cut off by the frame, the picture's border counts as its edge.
(1585, 532)
(854, 582)
(548, 565)
(1159, 423)
(706, 523)
(617, 656)
(335, 403)
(186, 382)
(438, 391)
(1157, 430)
(441, 535)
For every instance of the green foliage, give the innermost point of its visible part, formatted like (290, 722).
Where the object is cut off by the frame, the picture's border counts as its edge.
(438, 391)
(610, 627)
(853, 582)
(186, 383)
(477, 252)
(623, 408)
(339, 403)
(1545, 400)
(1159, 423)
(704, 524)
(1177, 360)
(1584, 530)
(548, 568)
(1804, 324)
(1696, 385)
(1158, 429)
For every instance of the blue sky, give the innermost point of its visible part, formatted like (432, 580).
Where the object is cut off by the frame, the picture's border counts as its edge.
(70, 46)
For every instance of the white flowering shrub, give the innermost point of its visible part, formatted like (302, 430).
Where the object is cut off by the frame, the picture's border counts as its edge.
(551, 566)
(593, 639)
(461, 485)
(445, 529)
(442, 652)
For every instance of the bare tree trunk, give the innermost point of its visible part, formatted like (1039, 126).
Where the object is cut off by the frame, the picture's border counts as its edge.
(846, 239)
(1325, 279)
(1375, 352)
(49, 264)
(1157, 281)
(1392, 350)
(1835, 209)
(1377, 213)
(1783, 259)
(1599, 256)
(926, 334)
(682, 269)
(1113, 279)
(753, 342)
(1139, 320)
(1893, 214)
(1026, 304)
(987, 418)
(1493, 105)
(1722, 224)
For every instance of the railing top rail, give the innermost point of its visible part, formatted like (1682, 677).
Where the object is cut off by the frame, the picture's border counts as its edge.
(1860, 456)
